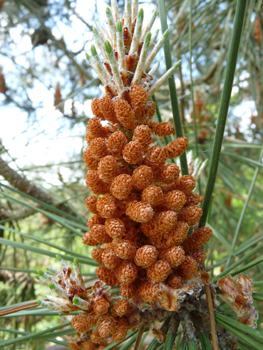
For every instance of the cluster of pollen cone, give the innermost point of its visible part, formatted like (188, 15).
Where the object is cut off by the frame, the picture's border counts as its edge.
(142, 207)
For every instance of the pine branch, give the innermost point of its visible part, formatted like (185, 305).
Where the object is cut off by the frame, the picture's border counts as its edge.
(25, 186)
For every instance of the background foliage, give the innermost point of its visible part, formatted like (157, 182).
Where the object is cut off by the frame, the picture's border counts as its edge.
(46, 82)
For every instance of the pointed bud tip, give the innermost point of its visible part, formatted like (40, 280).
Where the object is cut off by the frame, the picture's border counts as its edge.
(93, 50)
(108, 11)
(95, 32)
(119, 26)
(165, 34)
(37, 277)
(108, 47)
(51, 285)
(39, 302)
(40, 272)
(76, 262)
(148, 37)
(140, 13)
(75, 301)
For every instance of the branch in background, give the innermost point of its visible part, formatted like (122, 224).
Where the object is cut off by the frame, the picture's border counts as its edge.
(204, 78)
(60, 45)
(19, 308)
(182, 91)
(228, 138)
(6, 213)
(23, 185)
(57, 347)
(258, 205)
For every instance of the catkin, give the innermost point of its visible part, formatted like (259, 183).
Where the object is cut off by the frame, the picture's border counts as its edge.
(100, 306)
(168, 174)
(116, 143)
(115, 228)
(121, 308)
(106, 326)
(162, 129)
(89, 239)
(106, 206)
(139, 99)
(142, 208)
(98, 148)
(107, 109)
(108, 169)
(95, 220)
(89, 345)
(191, 214)
(91, 203)
(128, 290)
(146, 256)
(142, 134)
(121, 187)
(189, 268)
(198, 255)
(159, 271)
(142, 177)
(98, 232)
(125, 249)
(193, 199)
(198, 238)
(90, 160)
(139, 211)
(151, 108)
(105, 275)
(95, 184)
(127, 272)
(156, 158)
(96, 337)
(95, 108)
(172, 238)
(162, 223)
(83, 322)
(110, 259)
(97, 255)
(152, 195)
(174, 200)
(121, 330)
(176, 148)
(125, 114)
(186, 184)
(175, 281)
(133, 152)
(174, 256)
(149, 292)
(95, 129)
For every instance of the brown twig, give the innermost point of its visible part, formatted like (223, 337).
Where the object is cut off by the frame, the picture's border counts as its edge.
(211, 317)
(7, 214)
(204, 78)
(228, 138)
(18, 308)
(238, 197)
(139, 337)
(227, 302)
(182, 100)
(25, 186)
